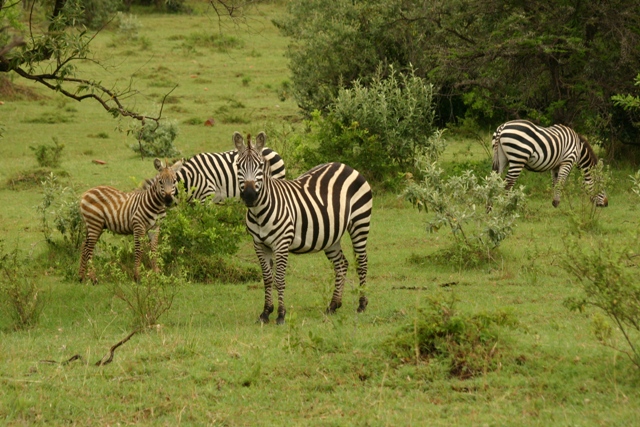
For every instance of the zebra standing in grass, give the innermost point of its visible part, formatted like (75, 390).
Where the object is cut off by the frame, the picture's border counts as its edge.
(308, 214)
(521, 144)
(134, 213)
(208, 174)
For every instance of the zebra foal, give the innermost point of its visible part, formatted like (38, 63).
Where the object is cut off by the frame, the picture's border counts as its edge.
(215, 174)
(308, 214)
(521, 144)
(134, 213)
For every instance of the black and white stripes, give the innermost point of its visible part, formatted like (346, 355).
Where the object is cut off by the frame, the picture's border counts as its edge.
(134, 213)
(521, 144)
(215, 174)
(308, 214)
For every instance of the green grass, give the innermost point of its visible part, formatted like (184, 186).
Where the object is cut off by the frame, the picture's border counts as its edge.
(209, 363)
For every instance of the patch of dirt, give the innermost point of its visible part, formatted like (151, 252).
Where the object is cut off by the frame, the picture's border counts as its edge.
(10, 91)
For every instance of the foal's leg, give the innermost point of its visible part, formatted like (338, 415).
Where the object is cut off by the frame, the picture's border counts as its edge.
(340, 266)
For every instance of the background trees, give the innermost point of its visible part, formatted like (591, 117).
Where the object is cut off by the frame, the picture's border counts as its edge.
(550, 61)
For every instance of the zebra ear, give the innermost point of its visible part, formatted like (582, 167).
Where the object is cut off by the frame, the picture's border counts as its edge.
(260, 141)
(177, 166)
(158, 164)
(238, 141)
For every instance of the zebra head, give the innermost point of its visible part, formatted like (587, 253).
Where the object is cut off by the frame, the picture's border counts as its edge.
(250, 167)
(165, 182)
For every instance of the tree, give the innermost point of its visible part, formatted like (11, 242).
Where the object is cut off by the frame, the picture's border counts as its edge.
(49, 54)
(554, 61)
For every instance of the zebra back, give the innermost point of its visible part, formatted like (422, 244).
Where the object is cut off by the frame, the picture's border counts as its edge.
(215, 174)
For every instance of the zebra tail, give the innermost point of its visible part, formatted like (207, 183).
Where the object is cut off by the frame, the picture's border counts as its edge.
(496, 155)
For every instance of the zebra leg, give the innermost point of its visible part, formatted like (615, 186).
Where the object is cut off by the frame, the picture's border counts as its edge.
(153, 247)
(560, 175)
(138, 234)
(264, 254)
(281, 258)
(87, 253)
(512, 174)
(359, 232)
(340, 266)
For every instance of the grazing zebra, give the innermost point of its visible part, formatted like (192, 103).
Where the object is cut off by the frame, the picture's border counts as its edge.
(215, 174)
(308, 214)
(127, 213)
(522, 144)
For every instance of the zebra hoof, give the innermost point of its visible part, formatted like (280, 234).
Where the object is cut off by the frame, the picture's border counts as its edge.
(555, 203)
(333, 306)
(280, 320)
(363, 304)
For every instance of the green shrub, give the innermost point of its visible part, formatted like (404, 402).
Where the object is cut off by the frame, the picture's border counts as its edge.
(155, 140)
(198, 239)
(378, 130)
(467, 344)
(20, 296)
(146, 300)
(608, 275)
(48, 156)
(60, 210)
(479, 212)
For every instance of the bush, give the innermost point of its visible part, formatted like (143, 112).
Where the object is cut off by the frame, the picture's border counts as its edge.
(608, 276)
(585, 215)
(20, 296)
(48, 156)
(198, 239)
(379, 129)
(61, 206)
(468, 345)
(479, 212)
(155, 140)
(146, 300)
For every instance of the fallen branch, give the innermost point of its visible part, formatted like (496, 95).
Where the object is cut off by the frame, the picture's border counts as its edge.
(103, 362)
(66, 362)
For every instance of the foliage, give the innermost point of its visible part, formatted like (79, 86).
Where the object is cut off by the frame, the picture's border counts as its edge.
(146, 300)
(492, 60)
(608, 276)
(479, 212)
(48, 156)
(198, 239)
(20, 296)
(98, 13)
(378, 130)
(469, 345)
(129, 25)
(155, 140)
(61, 206)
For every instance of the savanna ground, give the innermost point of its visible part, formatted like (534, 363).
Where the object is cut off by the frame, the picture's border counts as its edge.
(208, 362)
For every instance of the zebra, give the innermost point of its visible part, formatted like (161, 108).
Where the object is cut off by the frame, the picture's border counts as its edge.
(134, 213)
(214, 174)
(521, 144)
(308, 214)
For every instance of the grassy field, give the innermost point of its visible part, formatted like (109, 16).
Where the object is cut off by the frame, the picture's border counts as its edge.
(208, 362)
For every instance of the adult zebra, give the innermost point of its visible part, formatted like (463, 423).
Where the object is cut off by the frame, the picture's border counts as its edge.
(521, 144)
(208, 174)
(134, 213)
(308, 214)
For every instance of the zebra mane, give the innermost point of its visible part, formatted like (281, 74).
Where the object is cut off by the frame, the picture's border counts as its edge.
(588, 150)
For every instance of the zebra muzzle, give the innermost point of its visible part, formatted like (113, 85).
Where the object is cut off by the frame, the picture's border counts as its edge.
(249, 195)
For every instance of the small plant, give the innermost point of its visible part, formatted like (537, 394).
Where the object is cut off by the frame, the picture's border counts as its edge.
(155, 140)
(479, 212)
(60, 210)
(20, 296)
(197, 239)
(48, 156)
(468, 345)
(146, 300)
(608, 276)
(129, 25)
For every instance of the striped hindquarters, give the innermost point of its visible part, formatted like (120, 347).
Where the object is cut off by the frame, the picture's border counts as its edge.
(323, 203)
(536, 148)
